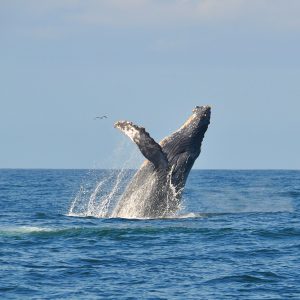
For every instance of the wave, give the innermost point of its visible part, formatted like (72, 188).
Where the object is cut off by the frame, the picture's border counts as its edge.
(257, 277)
(111, 231)
(190, 215)
(22, 229)
(155, 231)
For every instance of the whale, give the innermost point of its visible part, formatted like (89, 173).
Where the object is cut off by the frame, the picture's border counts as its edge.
(155, 191)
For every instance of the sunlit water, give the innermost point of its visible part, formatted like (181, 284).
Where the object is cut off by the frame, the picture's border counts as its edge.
(236, 237)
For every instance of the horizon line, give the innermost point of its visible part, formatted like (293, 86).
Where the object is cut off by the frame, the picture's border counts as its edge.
(194, 169)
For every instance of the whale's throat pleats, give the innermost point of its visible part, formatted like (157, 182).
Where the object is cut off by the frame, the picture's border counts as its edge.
(147, 145)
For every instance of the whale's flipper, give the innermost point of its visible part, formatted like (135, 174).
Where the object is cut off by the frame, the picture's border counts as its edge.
(150, 149)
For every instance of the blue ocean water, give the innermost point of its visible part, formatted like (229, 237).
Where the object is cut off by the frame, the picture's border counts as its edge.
(237, 237)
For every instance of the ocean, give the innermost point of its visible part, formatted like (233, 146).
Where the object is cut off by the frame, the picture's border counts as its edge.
(237, 236)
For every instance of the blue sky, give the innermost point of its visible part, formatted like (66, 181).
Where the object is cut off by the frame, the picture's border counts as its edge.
(65, 61)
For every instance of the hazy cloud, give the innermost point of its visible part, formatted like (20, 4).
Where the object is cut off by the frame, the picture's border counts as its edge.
(153, 12)
(284, 14)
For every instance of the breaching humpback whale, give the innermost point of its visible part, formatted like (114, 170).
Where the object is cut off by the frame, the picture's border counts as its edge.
(156, 188)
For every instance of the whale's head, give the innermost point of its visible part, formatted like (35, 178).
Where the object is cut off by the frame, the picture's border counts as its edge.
(184, 146)
(193, 130)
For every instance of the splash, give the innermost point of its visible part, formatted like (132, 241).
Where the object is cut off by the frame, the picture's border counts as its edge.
(100, 191)
(174, 203)
(135, 202)
(101, 194)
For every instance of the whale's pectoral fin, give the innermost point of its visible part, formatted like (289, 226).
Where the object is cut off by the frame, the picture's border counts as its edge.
(147, 145)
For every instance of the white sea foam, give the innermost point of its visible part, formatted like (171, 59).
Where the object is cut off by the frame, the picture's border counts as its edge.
(23, 229)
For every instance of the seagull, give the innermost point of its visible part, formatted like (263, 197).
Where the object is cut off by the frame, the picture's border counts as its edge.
(100, 117)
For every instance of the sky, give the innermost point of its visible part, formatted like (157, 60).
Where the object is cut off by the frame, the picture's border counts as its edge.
(63, 62)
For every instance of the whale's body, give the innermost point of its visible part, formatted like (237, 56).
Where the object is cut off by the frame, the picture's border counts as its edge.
(156, 188)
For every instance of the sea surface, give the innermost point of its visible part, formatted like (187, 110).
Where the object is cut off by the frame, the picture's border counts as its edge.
(237, 236)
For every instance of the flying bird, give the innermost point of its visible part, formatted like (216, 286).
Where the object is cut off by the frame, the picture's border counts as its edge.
(100, 117)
